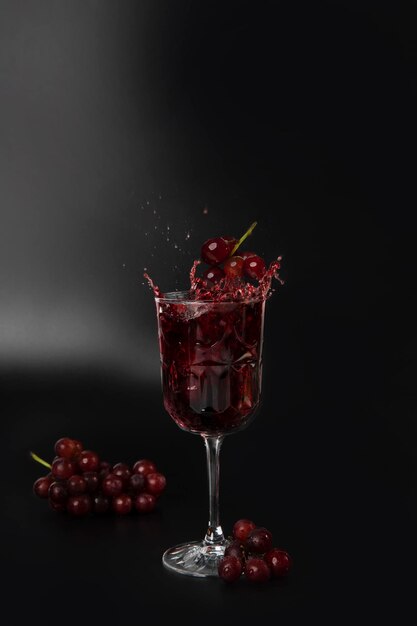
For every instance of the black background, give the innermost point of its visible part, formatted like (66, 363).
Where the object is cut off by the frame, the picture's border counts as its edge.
(130, 132)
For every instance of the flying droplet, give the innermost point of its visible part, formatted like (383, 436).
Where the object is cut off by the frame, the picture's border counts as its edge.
(205, 210)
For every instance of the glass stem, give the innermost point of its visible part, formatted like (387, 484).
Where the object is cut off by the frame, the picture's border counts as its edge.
(214, 533)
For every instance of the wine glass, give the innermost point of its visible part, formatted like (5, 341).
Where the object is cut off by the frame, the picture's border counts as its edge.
(211, 369)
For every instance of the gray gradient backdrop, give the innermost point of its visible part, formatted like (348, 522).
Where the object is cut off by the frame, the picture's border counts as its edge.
(99, 180)
(120, 122)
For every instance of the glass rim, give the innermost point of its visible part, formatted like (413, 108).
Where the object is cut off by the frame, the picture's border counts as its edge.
(183, 297)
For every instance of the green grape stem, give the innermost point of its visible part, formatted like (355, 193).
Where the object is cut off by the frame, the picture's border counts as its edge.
(242, 239)
(38, 459)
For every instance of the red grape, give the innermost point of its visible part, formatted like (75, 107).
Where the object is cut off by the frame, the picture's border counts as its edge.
(215, 251)
(88, 461)
(137, 483)
(257, 571)
(255, 267)
(230, 568)
(112, 485)
(242, 528)
(145, 502)
(66, 447)
(122, 504)
(144, 466)
(41, 486)
(214, 274)
(63, 468)
(58, 492)
(235, 549)
(233, 267)
(92, 479)
(279, 562)
(259, 541)
(122, 471)
(79, 505)
(155, 483)
(76, 485)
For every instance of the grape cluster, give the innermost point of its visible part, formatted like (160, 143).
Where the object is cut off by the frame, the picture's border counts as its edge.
(250, 553)
(221, 250)
(81, 484)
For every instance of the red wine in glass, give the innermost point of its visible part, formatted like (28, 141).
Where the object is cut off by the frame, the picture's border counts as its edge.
(211, 367)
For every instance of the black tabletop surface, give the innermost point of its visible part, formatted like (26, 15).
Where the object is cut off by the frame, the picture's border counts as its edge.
(338, 497)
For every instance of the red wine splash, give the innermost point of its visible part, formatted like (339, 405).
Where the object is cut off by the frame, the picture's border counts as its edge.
(228, 289)
(157, 292)
(231, 288)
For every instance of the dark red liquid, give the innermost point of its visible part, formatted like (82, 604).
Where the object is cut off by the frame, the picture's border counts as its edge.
(211, 360)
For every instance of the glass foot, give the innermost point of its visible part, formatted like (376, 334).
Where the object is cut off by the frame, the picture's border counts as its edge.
(195, 558)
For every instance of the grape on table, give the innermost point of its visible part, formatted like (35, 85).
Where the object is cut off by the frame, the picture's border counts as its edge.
(250, 555)
(81, 484)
